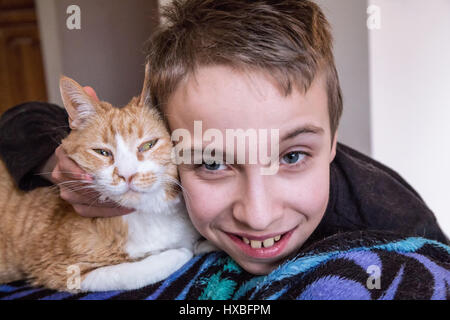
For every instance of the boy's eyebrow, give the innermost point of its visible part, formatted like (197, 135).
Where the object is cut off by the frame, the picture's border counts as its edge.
(308, 128)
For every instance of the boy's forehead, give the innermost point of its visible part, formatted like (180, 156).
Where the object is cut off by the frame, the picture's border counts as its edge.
(224, 98)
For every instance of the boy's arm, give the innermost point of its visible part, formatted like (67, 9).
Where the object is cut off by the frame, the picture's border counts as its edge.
(29, 134)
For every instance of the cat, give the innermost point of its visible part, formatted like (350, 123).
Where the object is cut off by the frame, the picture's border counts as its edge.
(127, 151)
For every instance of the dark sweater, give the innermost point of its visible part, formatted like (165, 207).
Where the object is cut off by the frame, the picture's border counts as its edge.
(364, 194)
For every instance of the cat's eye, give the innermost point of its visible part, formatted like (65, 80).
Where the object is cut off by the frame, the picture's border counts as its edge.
(103, 152)
(147, 145)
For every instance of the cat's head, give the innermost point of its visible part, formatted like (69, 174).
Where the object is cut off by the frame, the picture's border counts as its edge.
(126, 150)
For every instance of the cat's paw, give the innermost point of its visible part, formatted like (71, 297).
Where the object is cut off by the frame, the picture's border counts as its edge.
(134, 275)
(102, 279)
(180, 254)
(204, 246)
(176, 258)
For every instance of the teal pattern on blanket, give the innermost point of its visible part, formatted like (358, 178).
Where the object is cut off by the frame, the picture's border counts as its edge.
(219, 287)
(356, 265)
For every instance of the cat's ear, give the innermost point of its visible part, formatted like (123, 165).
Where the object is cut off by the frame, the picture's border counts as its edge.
(79, 105)
(145, 94)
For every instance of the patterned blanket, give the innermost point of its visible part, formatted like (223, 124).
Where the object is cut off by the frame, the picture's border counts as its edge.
(357, 265)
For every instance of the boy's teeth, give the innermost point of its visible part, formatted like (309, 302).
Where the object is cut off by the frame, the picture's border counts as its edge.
(268, 242)
(255, 244)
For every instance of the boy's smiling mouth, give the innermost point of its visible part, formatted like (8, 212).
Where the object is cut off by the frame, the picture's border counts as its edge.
(268, 246)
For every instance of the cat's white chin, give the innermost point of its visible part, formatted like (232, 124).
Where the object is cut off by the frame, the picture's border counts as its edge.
(137, 199)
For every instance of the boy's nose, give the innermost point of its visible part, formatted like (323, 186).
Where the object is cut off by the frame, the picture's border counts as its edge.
(258, 207)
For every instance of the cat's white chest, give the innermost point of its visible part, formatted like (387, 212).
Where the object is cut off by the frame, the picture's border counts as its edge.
(167, 228)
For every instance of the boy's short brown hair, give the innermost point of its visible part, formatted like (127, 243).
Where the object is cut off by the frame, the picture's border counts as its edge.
(288, 39)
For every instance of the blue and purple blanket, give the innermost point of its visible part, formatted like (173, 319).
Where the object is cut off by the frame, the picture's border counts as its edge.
(356, 265)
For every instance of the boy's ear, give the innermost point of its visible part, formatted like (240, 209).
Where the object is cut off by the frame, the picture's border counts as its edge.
(145, 88)
(333, 146)
(79, 105)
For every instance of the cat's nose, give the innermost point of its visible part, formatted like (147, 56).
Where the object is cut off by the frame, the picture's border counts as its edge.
(127, 178)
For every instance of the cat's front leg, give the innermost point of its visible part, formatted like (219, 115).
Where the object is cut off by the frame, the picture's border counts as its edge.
(134, 275)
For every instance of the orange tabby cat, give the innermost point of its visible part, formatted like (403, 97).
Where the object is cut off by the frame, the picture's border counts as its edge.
(128, 153)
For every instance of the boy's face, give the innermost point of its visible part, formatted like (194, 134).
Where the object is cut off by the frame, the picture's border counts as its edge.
(232, 205)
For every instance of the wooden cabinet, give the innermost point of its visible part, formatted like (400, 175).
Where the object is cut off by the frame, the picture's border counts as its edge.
(21, 68)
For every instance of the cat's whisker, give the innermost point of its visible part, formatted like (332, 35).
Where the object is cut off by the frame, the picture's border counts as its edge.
(85, 192)
(167, 178)
(76, 181)
(117, 205)
(53, 187)
(95, 199)
(83, 188)
(49, 172)
(77, 187)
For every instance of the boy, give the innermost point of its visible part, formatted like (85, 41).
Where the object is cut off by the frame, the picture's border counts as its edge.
(240, 64)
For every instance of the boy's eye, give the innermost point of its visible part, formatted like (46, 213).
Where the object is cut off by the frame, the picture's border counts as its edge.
(293, 157)
(214, 166)
(147, 145)
(103, 152)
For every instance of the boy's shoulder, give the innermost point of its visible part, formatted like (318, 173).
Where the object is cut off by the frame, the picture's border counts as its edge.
(367, 195)
(364, 170)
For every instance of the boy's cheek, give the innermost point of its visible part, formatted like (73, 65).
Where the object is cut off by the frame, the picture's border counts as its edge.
(309, 195)
(203, 202)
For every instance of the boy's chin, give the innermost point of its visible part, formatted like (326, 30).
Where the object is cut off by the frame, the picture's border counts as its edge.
(258, 268)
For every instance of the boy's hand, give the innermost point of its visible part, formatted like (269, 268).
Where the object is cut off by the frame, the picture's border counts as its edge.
(71, 180)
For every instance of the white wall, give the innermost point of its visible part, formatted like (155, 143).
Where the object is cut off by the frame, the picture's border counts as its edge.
(396, 87)
(410, 96)
(51, 47)
(348, 22)
(107, 53)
